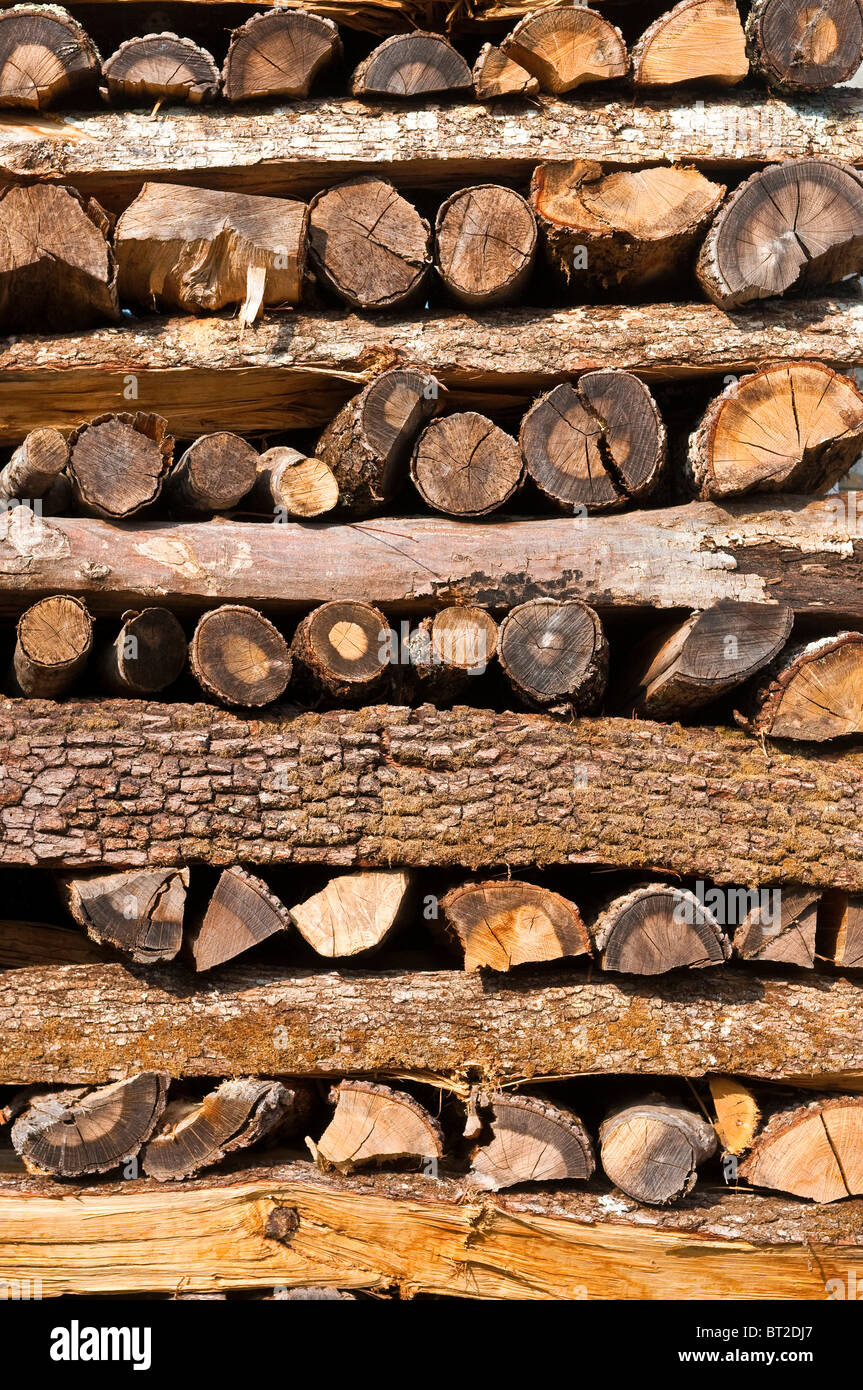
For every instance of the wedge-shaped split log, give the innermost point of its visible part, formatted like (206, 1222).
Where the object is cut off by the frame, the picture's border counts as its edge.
(289, 484)
(195, 1134)
(241, 914)
(842, 918)
(239, 657)
(374, 1124)
(160, 67)
(465, 465)
(495, 75)
(697, 41)
(651, 1150)
(147, 655)
(118, 463)
(343, 649)
(813, 1151)
(737, 1113)
(656, 928)
(555, 655)
(811, 693)
(780, 927)
(353, 913)
(279, 54)
(214, 473)
(499, 925)
(410, 65)
(140, 911)
(805, 48)
(53, 642)
(35, 467)
(368, 244)
(485, 240)
(447, 651)
(531, 1141)
(45, 58)
(57, 268)
(70, 1133)
(564, 48)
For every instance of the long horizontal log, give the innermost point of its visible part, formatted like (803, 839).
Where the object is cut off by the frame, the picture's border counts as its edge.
(126, 783)
(303, 146)
(805, 553)
(296, 370)
(287, 1225)
(90, 1024)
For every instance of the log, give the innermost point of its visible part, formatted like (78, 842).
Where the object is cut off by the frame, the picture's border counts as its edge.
(214, 474)
(35, 466)
(279, 55)
(288, 484)
(737, 1113)
(57, 268)
(161, 68)
(374, 1124)
(564, 48)
(656, 928)
(780, 930)
(368, 244)
(199, 249)
(139, 912)
(639, 228)
(447, 651)
(812, 692)
(495, 75)
(191, 1135)
(41, 943)
(411, 65)
(794, 225)
(813, 1151)
(241, 914)
(596, 446)
(531, 1141)
(147, 655)
(786, 428)
(805, 48)
(696, 41)
(368, 444)
(343, 649)
(555, 655)
(651, 1150)
(354, 913)
(53, 642)
(464, 465)
(485, 244)
(117, 463)
(842, 920)
(683, 668)
(499, 925)
(70, 1133)
(239, 657)
(45, 58)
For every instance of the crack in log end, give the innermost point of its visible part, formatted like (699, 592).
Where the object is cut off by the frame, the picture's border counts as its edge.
(282, 1224)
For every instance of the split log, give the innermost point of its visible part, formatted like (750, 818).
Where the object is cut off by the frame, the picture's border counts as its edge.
(564, 48)
(117, 463)
(57, 268)
(631, 227)
(79, 1131)
(241, 914)
(651, 1150)
(464, 465)
(140, 912)
(793, 225)
(199, 249)
(354, 913)
(368, 244)
(195, 1134)
(29, 944)
(343, 648)
(805, 48)
(496, 75)
(410, 65)
(279, 54)
(499, 925)
(680, 670)
(813, 1151)
(555, 655)
(812, 692)
(288, 484)
(54, 638)
(368, 444)
(485, 244)
(737, 1113)
(656, 928)
(780, 927)
(595, 446)
(45, 58)
(214, 474)
(148, 653)
(451, 648)
(531, 1141)
(239, 657)
(786, 428)
(697, 41)
(374, 1124)
(160, 67)
(841, 921)
(35, 466)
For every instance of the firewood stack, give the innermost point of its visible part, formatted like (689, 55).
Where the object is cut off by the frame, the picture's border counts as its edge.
(430, 588)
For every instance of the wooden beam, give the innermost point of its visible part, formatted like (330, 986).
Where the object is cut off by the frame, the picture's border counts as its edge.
(287, 1225)
(803, 552)
(296, 370)
(90, 1024)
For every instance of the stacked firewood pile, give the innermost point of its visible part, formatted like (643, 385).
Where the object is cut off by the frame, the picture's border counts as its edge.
(432, 626)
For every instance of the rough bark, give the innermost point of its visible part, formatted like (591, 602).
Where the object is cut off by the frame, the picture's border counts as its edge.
(192, 1135)
(813, 1151)
(375, 1124)
(528, 1141)
(279, 55)
(656, 928)
(118, 463)
(57, 268)
(697, 41)
(160, 67)
(239, 657)
(241, 914)
(214, 474)
(464, 465)
(651, 1150)
(565, 48)
(146, 656)
(139, 912)
(485, 244)
(354, 913)
(368, 244)
(805, 48)
(555, 655)
(501, 924)
(495, 75)
(411, 65)
(288, 484)
(53, 641)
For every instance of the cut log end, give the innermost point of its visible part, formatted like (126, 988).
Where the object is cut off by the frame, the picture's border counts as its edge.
(57, 268)
(354, 913)
(45, 58)
(500, 925)
(148, 654)
(196, 1134)
(805, 48)
(495, 75)
(813, 1151)
(139, 912)
(842, 919)
(70, 1133)
(288, 484)
(780, 927)
(555, 655)
(446, 651)
(812, 693)
(368, 244)
(410, 65)
(657, 928)
(239, 657)
(531, 1141)
(565, 48)
(35, 466)
(214, 473)
(54, 638)
(737, 1113)
(464, 465)
(696, 41)
(486, 243)
(241, 914)
(160, 67)
(117, 463)
(651, 1150)
(279, 55)
(343, 648)
(374, 1124)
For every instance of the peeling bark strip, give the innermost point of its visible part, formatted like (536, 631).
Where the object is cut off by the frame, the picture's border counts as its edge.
(88, 1024)
(807, 554)
(388, 785)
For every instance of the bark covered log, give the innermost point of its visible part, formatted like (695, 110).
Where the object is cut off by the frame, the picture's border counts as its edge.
(35, 466)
